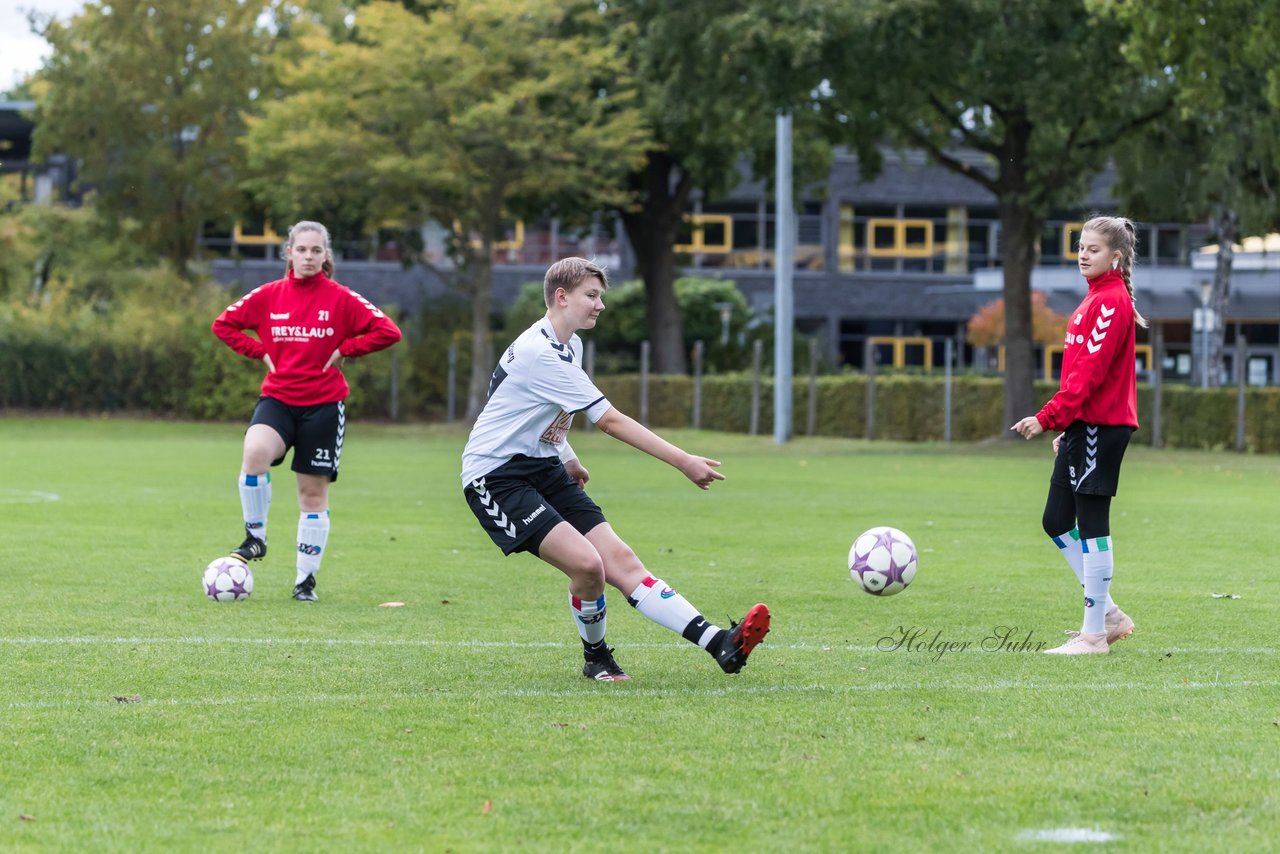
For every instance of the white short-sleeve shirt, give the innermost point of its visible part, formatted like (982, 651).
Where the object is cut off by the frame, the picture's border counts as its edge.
(535, 389)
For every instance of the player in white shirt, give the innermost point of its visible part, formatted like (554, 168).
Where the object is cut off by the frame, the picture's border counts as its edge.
(527, 487)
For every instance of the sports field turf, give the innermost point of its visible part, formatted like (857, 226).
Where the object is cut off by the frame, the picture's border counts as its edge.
(136, 715)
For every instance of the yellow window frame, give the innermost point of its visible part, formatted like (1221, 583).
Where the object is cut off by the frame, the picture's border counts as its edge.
(900, 344)
(901, 248)
(1068, 244)
(267, 238)
(1145, 351)
(517, 242)
(698, 221)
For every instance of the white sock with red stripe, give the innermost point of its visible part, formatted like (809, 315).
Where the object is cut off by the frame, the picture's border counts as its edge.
(590, 616)
(655, 600)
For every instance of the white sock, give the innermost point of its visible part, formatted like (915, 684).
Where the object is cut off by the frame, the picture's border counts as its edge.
(655, 600)
(1098, 565)
(255, 501)
(1069, 545)
(590, 616)
(313, 534)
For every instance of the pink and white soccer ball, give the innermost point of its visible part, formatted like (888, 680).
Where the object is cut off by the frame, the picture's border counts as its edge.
(228, 580)
(883, 561)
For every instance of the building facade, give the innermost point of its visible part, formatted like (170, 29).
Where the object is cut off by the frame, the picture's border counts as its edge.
(901, 262)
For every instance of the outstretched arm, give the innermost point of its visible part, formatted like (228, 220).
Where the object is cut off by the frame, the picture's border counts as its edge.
(1028, 427)
(700, 470)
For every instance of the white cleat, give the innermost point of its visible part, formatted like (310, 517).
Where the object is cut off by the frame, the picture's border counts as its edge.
(1118, 625)
(1083, 643)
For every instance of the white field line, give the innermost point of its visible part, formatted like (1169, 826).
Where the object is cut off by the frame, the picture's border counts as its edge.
(19, 496)
(1067, 835)
(917, 649)
(920, 649)
(628, 691)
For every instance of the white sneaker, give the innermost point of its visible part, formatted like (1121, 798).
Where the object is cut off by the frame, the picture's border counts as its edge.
(1083, 643)
(1119, 625)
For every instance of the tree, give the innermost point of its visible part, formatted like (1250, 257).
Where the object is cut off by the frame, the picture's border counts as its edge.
(149, 95)
(1219, 154)
(986, 327)
(464, 114)
(1035, 85)
(711, 76)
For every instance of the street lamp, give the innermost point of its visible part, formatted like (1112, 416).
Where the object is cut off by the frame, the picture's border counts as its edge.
(726, 314)
(1203, 321)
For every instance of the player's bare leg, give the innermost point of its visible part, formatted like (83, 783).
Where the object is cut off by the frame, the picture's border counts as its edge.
(262, 444)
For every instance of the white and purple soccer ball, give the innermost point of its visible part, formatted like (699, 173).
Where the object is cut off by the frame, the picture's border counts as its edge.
(228, 580)
(883, 561)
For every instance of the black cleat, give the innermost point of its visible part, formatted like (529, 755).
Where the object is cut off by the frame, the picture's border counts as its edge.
(305, 590)
(741, 638)
(601, 667)
(251, 549)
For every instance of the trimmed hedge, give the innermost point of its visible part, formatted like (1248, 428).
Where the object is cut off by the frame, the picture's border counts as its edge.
(188, 372)
(911, 408)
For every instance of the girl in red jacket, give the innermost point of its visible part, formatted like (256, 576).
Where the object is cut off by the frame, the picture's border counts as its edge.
(306, 326)
(1096, 407)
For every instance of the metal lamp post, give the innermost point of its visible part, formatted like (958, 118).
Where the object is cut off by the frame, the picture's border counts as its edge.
(1203, 321)
(726, 315)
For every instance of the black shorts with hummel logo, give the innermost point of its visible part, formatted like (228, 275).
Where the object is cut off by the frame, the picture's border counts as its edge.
(314, 432)
(1089, 457)
(520, 501)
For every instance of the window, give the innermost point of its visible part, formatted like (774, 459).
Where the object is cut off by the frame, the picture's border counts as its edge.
(707, 233)
(267, 237)
(1170, 248)
(1071, 240)
(901, 238)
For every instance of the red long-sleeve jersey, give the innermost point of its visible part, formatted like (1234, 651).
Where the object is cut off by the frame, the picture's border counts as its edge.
(1099, 373)
(299, 323)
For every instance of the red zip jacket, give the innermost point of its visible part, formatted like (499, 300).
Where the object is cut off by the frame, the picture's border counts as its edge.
(299, 323)
(1099, 373)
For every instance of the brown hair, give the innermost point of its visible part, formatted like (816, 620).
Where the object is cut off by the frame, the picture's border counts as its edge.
(569, 273)
(308, 225)
(1119, 234)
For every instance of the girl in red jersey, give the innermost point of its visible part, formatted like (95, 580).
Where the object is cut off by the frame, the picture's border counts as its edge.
(1096, 407)
(306, 326)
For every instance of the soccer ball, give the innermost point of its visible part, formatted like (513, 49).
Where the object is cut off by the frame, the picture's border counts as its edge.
(883, 561)
(228, 580)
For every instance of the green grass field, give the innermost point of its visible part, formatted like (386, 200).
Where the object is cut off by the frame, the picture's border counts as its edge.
(136, 715)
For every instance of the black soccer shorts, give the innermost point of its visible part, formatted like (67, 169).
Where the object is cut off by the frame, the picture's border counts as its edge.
(1089, 457)
(520, 501)
(314, 432)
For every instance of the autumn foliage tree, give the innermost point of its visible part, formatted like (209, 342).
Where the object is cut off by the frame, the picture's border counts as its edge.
(986, 327)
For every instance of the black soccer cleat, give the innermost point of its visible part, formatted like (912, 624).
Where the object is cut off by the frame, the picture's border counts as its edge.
(305, 590)
(741, 638)
(601, 667)
(251, 549)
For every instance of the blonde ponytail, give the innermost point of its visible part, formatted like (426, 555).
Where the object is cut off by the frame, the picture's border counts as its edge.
(1120, 235)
